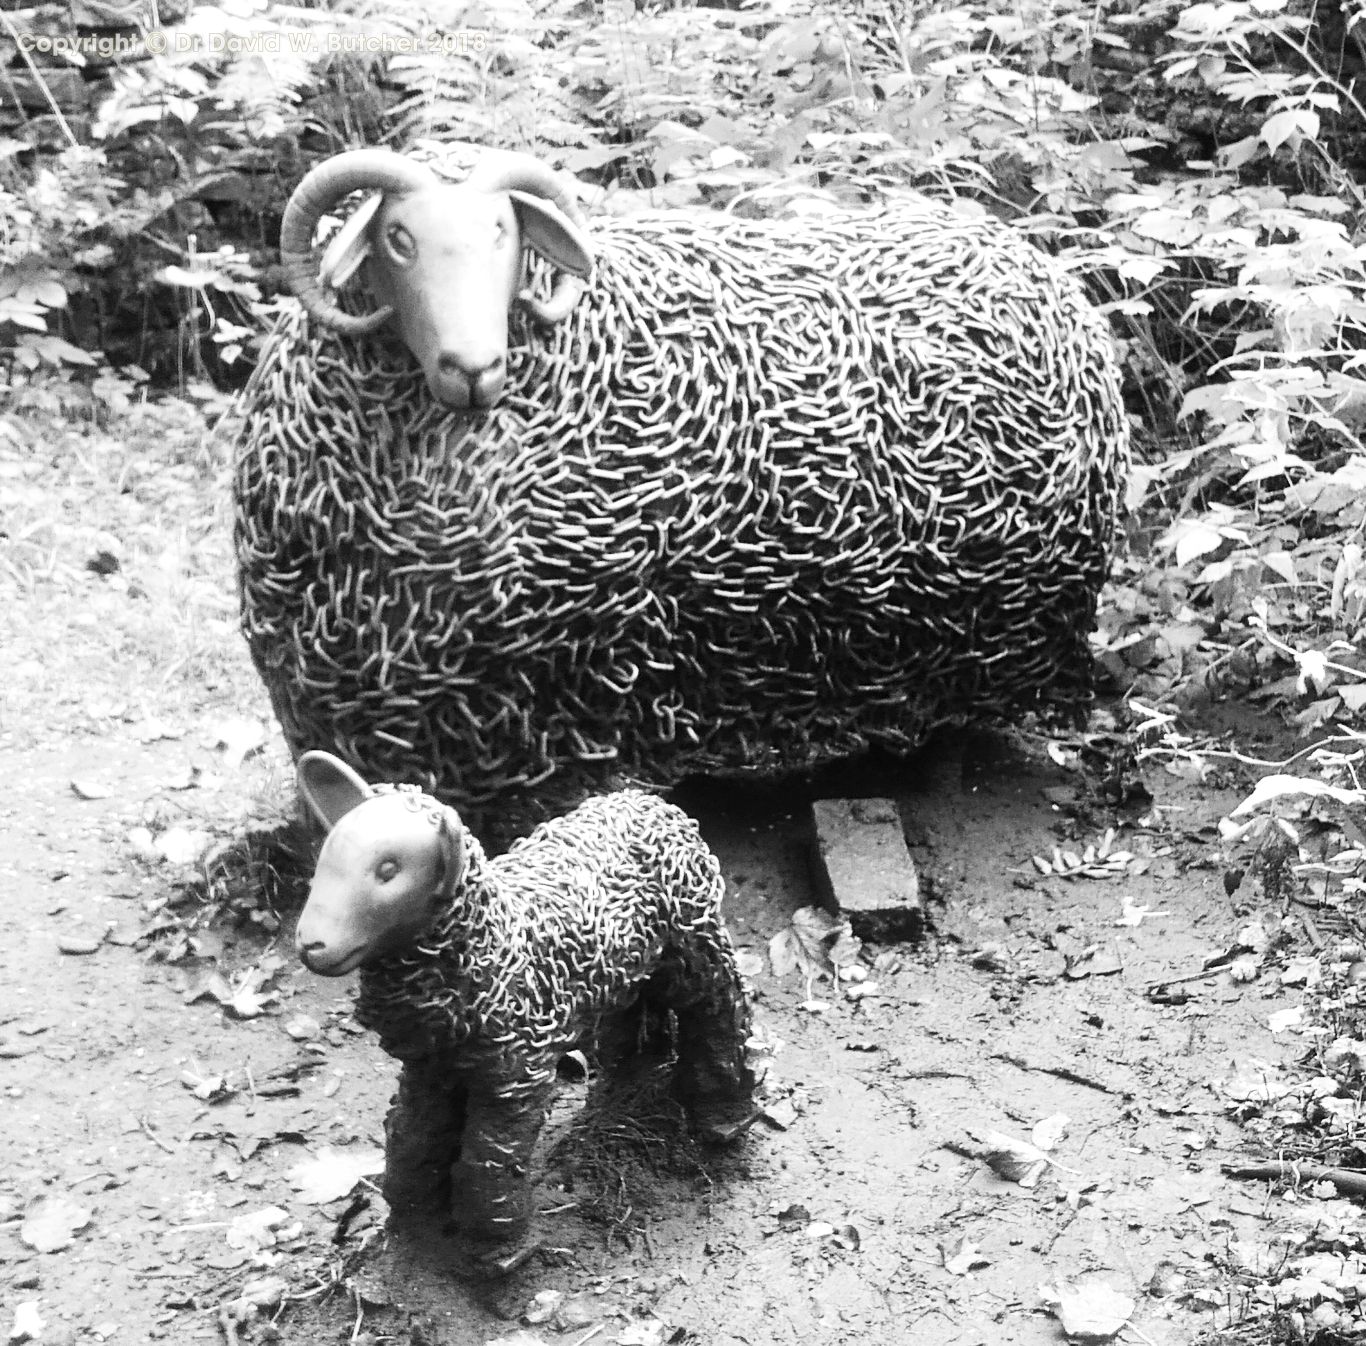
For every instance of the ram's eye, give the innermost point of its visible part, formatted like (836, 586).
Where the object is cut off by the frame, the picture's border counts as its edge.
(401, 243)
(387, 870)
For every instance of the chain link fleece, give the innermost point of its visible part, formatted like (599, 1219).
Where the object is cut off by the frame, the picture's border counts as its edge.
(776, 491)
(538, 949)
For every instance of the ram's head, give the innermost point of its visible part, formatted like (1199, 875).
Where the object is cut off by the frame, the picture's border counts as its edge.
(444, 260)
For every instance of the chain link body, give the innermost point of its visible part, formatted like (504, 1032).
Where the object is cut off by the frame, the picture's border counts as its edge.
(540, 943)
(774, 492)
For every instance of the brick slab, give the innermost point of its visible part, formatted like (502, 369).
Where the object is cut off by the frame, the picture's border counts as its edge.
(862, 864)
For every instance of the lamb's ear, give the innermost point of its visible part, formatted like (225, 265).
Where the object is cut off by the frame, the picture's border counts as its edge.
(547, 230)
(451, 838)
(329, 787)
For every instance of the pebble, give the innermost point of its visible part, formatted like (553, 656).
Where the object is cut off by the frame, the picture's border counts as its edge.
(78, 943)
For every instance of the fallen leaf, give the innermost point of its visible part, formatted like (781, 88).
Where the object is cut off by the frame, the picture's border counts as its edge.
(1050, 1131)
(1284, 1019)
(239, 738)
(1278, 786)
(258, 1229)
(1014, 1160)
(542, 1307)
(332, 1172)
(960, 1257)
(814, 943)
(180, 846)
(28, 1326)
(304, 1028)
(51, 1223)
(748, 963)
(1088, 1313)
(88, 789)
(643, 1332)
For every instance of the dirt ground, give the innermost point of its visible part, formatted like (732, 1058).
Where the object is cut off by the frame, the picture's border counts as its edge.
(151, 1118)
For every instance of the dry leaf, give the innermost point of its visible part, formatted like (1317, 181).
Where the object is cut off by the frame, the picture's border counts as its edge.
(88, 789)
(28, 1326)
(332, 1172)
(238, 739)
(1050, 1131)
(258, 1229)
(180, 846)
(960, 1257)
(1088, 1313)
(1014, 1160)
(51, 1223)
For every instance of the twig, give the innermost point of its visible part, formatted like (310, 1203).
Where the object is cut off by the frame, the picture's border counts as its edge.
(590, 1334)
(152, 1135)
(1061, 1073)
(1142, 1336)
(42, 83)
(1351, 1182)
(360, 1311)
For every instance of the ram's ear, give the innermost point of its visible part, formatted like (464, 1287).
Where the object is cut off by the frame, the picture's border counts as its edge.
(547, 230)
(451, 837)
(329, 787)
(350, 247)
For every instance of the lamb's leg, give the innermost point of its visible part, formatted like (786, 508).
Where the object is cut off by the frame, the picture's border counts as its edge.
(711, 1078)
(422, 1139)
(490, 1182)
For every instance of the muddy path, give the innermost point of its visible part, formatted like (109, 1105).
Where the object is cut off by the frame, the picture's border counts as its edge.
(165, 1066)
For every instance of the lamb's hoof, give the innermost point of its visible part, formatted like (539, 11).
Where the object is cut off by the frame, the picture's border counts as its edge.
(722, 1131)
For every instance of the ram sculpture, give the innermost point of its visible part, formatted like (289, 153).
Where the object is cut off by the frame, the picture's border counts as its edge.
(481, 974)
(738, 495)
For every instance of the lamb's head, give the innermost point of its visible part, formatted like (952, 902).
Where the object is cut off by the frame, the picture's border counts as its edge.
(445, 260)
(389, 866)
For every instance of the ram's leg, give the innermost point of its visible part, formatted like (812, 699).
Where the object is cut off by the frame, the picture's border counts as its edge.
(712, 1079)
(490, 1181)
(422, 1140)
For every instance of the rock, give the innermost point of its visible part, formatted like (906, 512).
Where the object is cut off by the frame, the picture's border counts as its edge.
(78, 944)
(105, 555)
(862, 863)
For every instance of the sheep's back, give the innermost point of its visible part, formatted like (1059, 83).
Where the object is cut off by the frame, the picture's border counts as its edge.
(773, 492)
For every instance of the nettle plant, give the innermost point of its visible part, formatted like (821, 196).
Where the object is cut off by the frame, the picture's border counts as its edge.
(1289, 302)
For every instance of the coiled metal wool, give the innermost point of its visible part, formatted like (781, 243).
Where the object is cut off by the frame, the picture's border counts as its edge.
(774, 492)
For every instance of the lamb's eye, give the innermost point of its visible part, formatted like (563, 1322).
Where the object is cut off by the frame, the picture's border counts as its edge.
(401, 243)
(387, 870)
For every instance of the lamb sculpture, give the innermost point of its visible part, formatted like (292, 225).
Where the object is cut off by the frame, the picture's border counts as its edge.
(762, 493)
(480, 974)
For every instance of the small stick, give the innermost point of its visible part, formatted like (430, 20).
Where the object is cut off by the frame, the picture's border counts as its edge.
(152, 1135)
(1351, 1182)
(1059, 1072)
(590, 1334)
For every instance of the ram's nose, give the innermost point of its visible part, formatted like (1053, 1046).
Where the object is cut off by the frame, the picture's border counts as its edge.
(465, 381)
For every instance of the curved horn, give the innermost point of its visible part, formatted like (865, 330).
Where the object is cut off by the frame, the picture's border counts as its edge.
(320, 190)
(508, 171)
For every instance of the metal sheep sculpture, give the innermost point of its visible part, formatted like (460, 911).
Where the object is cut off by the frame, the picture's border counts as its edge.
(481, 974)
(756, 494)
